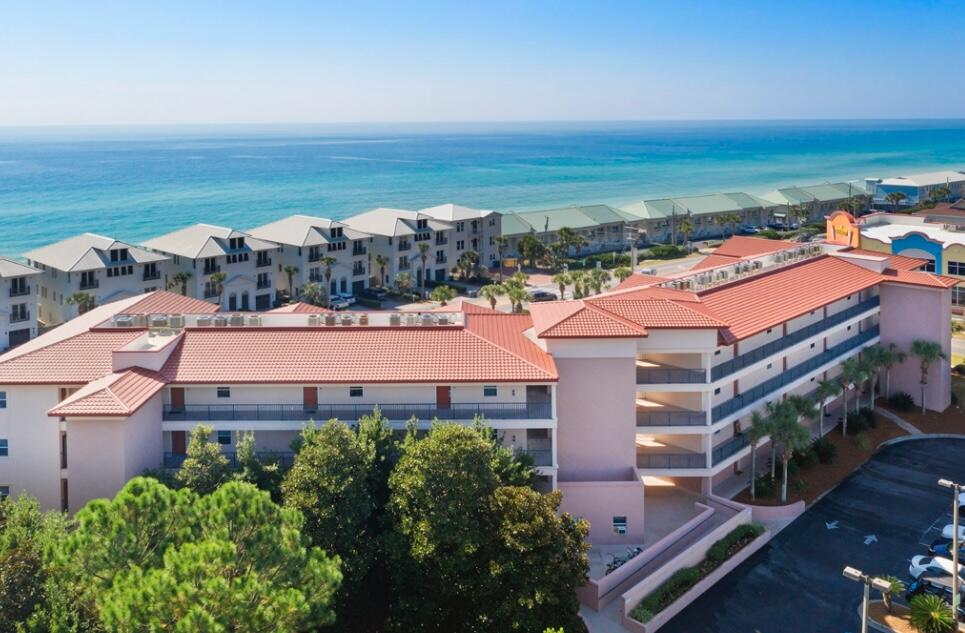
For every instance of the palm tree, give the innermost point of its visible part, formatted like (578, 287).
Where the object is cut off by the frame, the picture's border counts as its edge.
(940, 193)
(792, 437)
(930, 614)
(180, 280)
(927, 352)
(578, 277)
(895, 198)
(875, 357)
(721, 221)
(313, 293)
(793, 211)
(217, 283)
(443, 294)
(734, 219)
(850, 373)
(423, 257)
(562, 280)
(531, 249)
(775, 412)
(516, 296)
(468, 265)
(826, 389)
(403, 282)
(599, 277)
(492, 292)
(803, 407)
(290, 272)
(622, 273)
(381, 261)
(892, 356)
(759, 430)
(686, 227)
(328, 262)
(83, 300)
(500, 246)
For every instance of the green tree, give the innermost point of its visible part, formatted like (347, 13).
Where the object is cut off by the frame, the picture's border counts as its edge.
(443, 294)
(931, 614)
(250, 468)
(83, 300)
(927, 352)
(217, 284)
(315, 294)
(570, 239)
(686, 227)
(599, 277)
(492, 292)
(25, 533)
(180, 281)
(468, 265)
(826, 389)
(204, 467)
(804, 407)
(792, 437)
(517, 296)
(562, 280)
(290, 272)
(892, 356)
(622, 273)
(851, 375)
(579, 283)
(163, 560)
(758, 430)
(403, 281)
(531, 249)
(939, 194)
(500, 248)
(895, 588)
(382, 262)
(895, 198)
(329, 485)
(328, 262)
(424, 258)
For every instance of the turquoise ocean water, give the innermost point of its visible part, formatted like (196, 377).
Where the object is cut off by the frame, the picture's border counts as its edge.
(136, 183)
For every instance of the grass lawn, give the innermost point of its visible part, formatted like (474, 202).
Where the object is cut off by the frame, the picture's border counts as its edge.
(853, 451)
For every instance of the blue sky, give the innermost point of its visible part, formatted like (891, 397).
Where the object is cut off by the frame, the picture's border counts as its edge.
(284, 61)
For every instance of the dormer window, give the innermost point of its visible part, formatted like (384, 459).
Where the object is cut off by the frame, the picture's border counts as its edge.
(236, 243)
(119, 255)
(422, 224)
(335, 232)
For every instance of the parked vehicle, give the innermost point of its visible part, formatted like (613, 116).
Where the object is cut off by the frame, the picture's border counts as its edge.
(949, 530)
(933, 567)
(340, 303)
(542, 295)
(374, 293)
(943, 547)
(747, 229)
(347, 296)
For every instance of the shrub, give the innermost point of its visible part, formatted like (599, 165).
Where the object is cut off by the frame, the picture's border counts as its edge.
(666, 251)
(857, 423)
(825, 450)
(901, 401)
(805, 458)
(798, 486)
(733, 542)
(870, 417)
(959, 369)
(770, 234)
(664, 595)
(792, 469)
(930, 614)
(765, 487)
(863, 441)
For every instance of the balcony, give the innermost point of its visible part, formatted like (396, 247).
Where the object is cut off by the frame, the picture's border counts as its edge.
(19, 317)
(358, 271)
(210, 294)
(150, 275)
(441, 260)
(22, 291)
(649, 373)
(359, 250)
(671, 460)
(262, 262)
(762, 352)
(262, 284)
(671, 418)
(89, 284)
(210, 270)
(351, 412)
(790, 375)
(285, 459)
(540, 456)
(729, 448)
(404, 246)
(441, 241)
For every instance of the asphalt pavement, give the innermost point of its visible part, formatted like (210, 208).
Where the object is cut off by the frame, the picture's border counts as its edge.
(876, 520)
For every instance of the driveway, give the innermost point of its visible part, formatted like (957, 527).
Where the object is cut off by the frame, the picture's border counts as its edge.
(794, 584)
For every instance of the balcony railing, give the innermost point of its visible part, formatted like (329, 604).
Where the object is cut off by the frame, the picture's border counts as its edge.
(672, 460)
(284, 459)
(19, 317)
(441, 241)
(669, 375)
(359, 250)
(671, 418)
(151, 275)
(210, 270)
(88, 285)
(19, 292)
(728, 448)
(262, 284)
(404, 246)
(358, 271)
(762, 352)
(540, 456)
(351, 412)
(790, 375)
(262, 262)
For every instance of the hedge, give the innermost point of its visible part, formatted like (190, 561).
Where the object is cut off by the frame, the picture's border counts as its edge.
(684, 579)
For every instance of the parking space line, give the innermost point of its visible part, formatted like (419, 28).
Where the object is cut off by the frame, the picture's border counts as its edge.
(936, 526)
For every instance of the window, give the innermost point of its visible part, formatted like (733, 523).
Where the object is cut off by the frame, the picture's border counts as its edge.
(490, 391)
(460, 227)
(769, 365)
(4, 492)
(770, 330)
(4, 448)
(355, 392)
(812, 345)
(717, 352)
(956, 268)
(717, 391)
(958, 296)
(460, 245)
(224, 392)
(224, 438)
(3, 399)
(929, 267)
(620, 525)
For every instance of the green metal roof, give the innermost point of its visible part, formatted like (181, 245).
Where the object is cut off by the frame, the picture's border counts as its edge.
(749, 201)
(815, 193)
(512, 224)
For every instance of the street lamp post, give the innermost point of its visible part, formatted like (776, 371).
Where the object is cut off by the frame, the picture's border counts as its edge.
(869, 582)
(956, 491)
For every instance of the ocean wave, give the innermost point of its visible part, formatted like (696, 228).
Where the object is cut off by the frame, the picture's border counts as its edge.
(374, 160)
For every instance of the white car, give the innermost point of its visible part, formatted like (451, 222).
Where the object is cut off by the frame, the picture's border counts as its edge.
(949, 530)
(339, 303)
(932, 566)
(347, 297)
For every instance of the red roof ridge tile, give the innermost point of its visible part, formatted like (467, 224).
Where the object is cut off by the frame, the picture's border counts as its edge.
(554, 375)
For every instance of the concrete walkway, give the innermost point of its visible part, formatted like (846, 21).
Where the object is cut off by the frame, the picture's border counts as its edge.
(905, 424)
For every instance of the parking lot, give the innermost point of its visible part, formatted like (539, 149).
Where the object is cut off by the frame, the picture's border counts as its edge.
(888, 511)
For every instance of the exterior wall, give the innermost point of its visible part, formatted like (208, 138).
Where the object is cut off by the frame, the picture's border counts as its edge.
(909, 313)
(33, 463)
(241, 278)
(918, 245)
(7, 304)
(600, 501)
(103, 454)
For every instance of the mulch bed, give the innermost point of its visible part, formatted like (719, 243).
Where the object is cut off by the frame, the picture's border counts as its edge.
(820, 478)
(951, 420)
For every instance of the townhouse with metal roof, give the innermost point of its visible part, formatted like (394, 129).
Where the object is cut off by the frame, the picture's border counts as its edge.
(202, 250)
(397, 235)
(705, 212)
(602, 226)
(819, 200)
(18, 303)
(916, 188)
(305, 244)
(102, 268)
(472, 230)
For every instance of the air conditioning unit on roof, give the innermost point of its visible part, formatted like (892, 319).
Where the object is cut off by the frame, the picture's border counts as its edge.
(313, 319)
(176, 321)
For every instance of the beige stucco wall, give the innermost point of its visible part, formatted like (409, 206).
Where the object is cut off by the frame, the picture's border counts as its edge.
(599, 501)
(33, 463)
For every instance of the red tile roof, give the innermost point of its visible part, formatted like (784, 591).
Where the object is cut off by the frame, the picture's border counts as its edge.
(353, 355)
(638, 280)
(580, 319)
(300, 307)
(114, 395)
(460, 304)
(164, 302)
(919, 278)
(898, 262)
(757, 303)
(714, 260)
(75, 360)
(660, 313)
(741, 246)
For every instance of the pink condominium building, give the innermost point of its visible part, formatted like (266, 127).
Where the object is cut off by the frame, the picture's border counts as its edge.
(654, 381)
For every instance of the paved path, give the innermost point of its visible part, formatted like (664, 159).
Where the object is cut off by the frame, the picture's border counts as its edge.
(908, 426)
